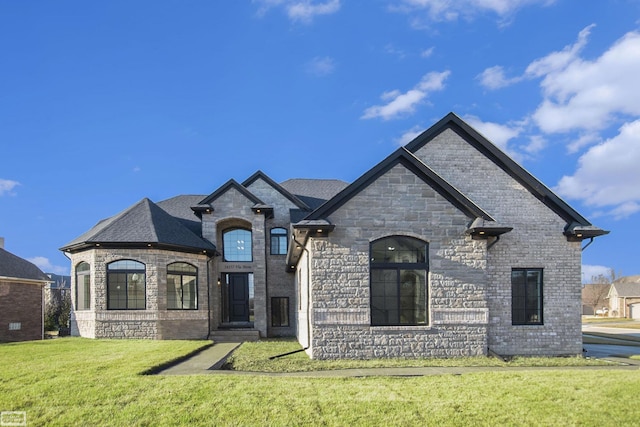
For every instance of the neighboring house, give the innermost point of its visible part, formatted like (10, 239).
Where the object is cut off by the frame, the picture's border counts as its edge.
(445, 248)
(21, 298)
(594, 299)
(624, 297)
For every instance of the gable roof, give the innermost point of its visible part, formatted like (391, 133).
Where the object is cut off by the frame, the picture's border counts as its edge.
(232, 183)
(261, 175)
(141, 225)
(497, 156)
(14, 267)
(628, 286)
(411, 162)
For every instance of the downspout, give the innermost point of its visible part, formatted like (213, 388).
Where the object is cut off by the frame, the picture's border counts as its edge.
(267, 245)
(208, 300)
(587, 245)
(308, 291)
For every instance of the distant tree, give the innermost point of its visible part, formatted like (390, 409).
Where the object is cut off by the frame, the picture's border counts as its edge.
(595, 294)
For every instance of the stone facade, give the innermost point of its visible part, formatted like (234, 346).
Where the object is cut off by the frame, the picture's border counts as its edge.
(476, 213)
(155, 321)
(398, 203)
(537, 241)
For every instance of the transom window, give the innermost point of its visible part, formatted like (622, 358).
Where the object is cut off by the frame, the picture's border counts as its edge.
(83, 286)
(526, 296)
(279, 241)
(237, 245)
(126, 285)
(399, 281)
(182, 286)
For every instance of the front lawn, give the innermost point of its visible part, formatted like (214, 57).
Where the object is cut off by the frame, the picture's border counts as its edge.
(75, 381)
(258, 357)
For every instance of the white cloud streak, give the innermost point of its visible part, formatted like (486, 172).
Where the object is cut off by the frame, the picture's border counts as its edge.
(448, 10)
(400, 103)
(7, 186)
(321, 66)
(589, 272)
(46, 266)
(303, 11)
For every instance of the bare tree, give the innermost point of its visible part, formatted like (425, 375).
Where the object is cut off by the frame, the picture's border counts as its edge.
(595, 294)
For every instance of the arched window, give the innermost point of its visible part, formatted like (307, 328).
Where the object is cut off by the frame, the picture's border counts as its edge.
(237, 245)
(126, 285)
(182, 286)
(399, 269)
(279, 241)
(83, 286)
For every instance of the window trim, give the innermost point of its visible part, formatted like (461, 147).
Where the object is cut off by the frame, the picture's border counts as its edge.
(398, 268)
(540, 299)
(284, 233)
(127, 271)
(225, 249)
(86, 287)
(182, 274)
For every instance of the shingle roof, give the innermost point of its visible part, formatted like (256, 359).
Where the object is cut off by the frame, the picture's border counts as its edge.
(628, 286)
(15, 267)
(142, 224)
(179, 207)
(314, 192)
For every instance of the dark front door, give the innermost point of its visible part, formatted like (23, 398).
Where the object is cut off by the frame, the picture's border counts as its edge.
(238, 297)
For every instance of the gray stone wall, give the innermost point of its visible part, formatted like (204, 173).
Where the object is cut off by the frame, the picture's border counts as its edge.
(233, 209)
(398, 203)
(280, 282)
(535, 242)
(155, 322)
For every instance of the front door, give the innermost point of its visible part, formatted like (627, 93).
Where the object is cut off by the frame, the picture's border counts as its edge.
(239, 297)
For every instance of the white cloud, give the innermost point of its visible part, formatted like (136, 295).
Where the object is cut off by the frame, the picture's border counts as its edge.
(494, 78)
(608, 174)
(588, 95)
(7, 186)
(45, 265)
(404, 103)
(591, 271)
(427, 52)
(448, 10)
(409, 135)
(300, 10)
(498, 134)
(536, 144)
(321, 66)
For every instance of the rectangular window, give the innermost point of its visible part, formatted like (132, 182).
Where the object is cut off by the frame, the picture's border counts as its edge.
(15, 326)
(83, 289)
(279, 311)
(526, 296)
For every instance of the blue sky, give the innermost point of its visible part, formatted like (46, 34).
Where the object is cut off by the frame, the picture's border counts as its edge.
(104, 103)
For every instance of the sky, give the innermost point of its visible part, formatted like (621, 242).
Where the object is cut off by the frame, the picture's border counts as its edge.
(104, 103)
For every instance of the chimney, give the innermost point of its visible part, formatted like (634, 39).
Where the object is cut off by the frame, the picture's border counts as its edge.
(1, 242)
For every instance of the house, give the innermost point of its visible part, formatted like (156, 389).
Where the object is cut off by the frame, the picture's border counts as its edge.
(624, 297)
(445, 248)
(21, 298)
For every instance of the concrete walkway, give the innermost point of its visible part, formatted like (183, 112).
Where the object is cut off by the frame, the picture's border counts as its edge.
(208, 362)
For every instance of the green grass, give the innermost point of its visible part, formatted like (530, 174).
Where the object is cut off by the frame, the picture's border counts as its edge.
(74, 381)
(255, 357)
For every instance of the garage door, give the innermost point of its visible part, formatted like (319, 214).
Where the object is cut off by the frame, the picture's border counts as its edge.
(634, 311)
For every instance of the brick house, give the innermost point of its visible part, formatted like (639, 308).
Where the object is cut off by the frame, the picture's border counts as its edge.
(21, 298)
(445, 248)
